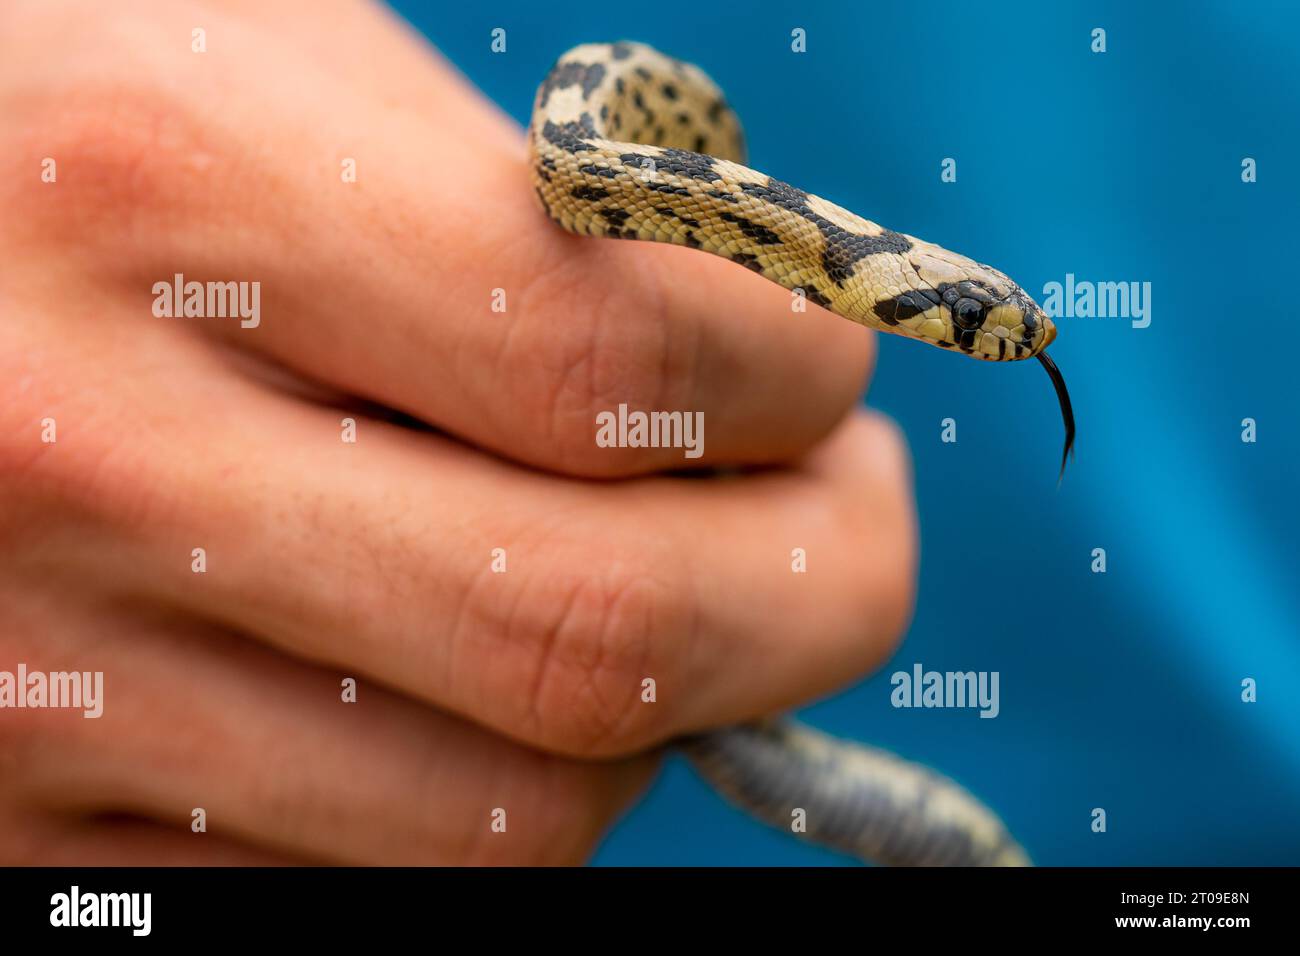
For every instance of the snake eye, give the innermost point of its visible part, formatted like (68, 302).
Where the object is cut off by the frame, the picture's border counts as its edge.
(968, 314)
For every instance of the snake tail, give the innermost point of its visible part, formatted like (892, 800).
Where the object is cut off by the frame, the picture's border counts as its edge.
(859, 800)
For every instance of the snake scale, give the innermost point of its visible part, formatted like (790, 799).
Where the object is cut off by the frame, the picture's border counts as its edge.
(627, 143)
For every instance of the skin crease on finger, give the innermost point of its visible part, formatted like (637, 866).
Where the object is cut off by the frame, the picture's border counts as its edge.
(376, 295)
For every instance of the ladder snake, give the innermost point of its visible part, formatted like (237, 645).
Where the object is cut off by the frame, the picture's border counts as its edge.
(627, 143)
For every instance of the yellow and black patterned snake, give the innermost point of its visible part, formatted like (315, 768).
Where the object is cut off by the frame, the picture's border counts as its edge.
(628, 143)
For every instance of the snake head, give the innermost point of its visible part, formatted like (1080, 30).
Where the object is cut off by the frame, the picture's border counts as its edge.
(957, 303)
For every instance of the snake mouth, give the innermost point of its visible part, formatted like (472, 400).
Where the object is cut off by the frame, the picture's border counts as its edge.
(1067, 411)
(1049, 334)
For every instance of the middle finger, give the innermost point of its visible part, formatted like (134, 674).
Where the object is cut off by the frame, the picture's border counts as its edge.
(534, 604)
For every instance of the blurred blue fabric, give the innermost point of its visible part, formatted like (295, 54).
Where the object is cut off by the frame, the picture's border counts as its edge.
(1119, 690)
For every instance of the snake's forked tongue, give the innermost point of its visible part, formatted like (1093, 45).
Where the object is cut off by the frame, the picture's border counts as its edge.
(1067, 413)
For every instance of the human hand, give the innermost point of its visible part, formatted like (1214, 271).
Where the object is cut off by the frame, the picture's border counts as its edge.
(374, 559)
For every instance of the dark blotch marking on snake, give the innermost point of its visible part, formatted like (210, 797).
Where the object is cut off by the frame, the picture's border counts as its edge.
(748, 260)
(617, 217)
(589, 193)
(604, 171)
(648, 115)
(752, 230)
(563, 75)
(974, 289)
(679, 162)
(905, 306)
(844, 249)
(665, 211)
(571, 136)
(670, 91)
(813, 295)
(620, 51)
(683, 162)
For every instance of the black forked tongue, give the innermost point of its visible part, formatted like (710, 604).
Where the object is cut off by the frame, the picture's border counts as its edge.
(1067, 413)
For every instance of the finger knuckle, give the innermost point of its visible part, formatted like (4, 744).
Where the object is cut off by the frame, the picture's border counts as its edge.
(126, 152)
(613, 631)
(619, 347)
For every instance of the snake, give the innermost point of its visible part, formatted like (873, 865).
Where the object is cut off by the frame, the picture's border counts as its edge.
(626, 142)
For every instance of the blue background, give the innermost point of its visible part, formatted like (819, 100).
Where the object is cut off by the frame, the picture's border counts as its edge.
(1119, 690)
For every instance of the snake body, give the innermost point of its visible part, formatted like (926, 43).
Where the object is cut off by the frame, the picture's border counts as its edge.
(627, 143)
